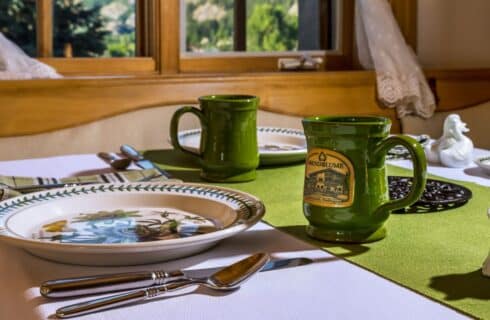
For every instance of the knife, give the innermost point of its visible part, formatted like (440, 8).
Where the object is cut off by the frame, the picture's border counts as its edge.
(140, 161)
(72, 287)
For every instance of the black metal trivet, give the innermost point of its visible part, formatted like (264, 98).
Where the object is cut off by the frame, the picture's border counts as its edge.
(437, 196)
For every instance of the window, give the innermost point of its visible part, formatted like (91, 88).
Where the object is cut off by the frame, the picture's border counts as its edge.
(139, 36)
(60, 32)
(179, 36)
(94, 28)
(259, 25)
(253, 34)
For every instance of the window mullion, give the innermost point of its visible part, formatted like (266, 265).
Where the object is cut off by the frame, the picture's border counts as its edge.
(44, 28)
(240, 25)
(327, 25)
(309, 32)
(169, 36)
(143, 27)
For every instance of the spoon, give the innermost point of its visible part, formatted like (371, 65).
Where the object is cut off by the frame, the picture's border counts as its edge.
(114, 161)
(225, 279)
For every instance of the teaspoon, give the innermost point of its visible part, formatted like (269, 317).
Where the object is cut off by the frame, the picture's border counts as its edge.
(115, 162)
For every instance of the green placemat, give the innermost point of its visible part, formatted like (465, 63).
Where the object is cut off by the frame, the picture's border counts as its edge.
(438, 254)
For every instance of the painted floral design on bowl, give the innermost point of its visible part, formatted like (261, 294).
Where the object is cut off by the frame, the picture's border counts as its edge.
(120, 226)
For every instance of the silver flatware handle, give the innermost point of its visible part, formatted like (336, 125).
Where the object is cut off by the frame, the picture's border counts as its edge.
(106, 156)
(134, 155)
(131, 153)
(113, 301)
(71, 287)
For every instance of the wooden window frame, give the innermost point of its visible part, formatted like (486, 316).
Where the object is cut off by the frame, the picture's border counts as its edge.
(405, 12)
(342, 59)
(44, 28)
(163, 54)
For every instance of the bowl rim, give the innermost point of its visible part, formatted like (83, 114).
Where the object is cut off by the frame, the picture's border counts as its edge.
(257, 211)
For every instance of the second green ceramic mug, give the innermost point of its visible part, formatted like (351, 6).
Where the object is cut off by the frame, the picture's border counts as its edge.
(228, 149)
(346, 190)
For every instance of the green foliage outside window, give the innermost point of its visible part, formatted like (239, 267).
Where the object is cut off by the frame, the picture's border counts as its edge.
(209, 25)
(272, 25)
(119, 21)
(18, 23)
(80, 27)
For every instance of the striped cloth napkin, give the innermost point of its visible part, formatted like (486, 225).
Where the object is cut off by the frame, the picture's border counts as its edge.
(8, 184)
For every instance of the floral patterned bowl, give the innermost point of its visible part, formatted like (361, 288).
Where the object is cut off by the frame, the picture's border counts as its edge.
(125, 224)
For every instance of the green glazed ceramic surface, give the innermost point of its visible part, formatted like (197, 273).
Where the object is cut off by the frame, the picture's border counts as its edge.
(228, 149)
(345, 191)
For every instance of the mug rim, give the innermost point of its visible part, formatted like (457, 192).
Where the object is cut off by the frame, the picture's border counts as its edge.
(229, 98)
(362, 120)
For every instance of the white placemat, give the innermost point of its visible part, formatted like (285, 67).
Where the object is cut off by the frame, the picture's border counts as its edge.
(330, 288)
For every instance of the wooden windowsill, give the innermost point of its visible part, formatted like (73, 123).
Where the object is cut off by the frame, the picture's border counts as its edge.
(347, 77)
(102, 66)
(340, 77)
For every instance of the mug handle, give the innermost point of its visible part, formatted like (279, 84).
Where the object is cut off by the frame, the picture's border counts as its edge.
(174, 127)
(419, 170)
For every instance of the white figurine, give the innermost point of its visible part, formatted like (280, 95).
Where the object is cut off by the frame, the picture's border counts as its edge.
(453, 149)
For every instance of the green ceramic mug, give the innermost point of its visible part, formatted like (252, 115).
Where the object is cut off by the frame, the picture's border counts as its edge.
(228, 149)
(345, 196)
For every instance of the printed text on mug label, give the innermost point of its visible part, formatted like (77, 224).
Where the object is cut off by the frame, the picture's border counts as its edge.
(329, 179)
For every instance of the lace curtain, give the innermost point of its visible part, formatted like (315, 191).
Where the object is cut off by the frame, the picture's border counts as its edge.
(15, 64)
(381, 46)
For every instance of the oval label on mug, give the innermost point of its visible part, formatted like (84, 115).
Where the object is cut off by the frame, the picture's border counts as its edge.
(329, 179)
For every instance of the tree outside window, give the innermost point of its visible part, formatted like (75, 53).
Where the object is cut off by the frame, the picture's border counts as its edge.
(272, 25)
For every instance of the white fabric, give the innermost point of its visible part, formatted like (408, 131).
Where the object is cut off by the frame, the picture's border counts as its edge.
(381, 46)
(330, 288)
(16, 65)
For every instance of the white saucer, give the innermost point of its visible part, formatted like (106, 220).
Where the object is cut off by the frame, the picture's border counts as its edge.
(276, 145)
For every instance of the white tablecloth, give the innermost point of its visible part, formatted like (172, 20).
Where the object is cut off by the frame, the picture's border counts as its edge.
(330, 288)
(471, 172)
